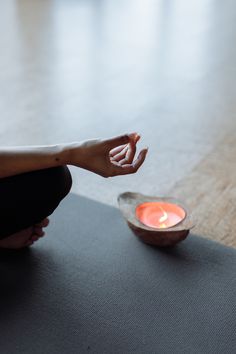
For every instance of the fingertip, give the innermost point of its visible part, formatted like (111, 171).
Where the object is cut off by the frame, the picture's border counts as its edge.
(145, 150)
(136, 136)
(141, 158)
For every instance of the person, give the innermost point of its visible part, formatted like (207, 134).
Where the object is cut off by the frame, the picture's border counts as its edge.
(35, 179)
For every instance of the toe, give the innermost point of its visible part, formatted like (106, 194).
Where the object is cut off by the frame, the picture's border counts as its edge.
(29, 243)
(43, 223)
(38, 231)
(34, 238)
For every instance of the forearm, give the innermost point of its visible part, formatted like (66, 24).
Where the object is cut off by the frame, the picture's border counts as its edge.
(105, 157)
(19, 159)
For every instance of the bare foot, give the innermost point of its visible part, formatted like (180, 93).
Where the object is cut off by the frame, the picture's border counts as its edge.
(25, 237)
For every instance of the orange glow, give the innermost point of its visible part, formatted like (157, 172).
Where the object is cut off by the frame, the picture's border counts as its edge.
(160, 215)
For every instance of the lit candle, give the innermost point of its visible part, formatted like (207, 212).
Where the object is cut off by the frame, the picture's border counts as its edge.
(160, 215)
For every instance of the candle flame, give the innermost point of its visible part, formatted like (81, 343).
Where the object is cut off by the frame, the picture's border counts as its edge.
(164, 217)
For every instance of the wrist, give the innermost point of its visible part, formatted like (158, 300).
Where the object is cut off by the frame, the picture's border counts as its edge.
(62, 154)
(71, 153)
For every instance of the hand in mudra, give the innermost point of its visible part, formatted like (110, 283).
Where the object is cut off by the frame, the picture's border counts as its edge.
(110, 157)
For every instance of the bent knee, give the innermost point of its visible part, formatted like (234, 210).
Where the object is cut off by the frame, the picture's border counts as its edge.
(66, 179)
(58, 182)
(62, 181)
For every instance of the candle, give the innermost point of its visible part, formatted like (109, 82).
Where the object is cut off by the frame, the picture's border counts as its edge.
(160, 215)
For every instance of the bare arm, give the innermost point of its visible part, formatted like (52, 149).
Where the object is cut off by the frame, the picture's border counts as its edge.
(19, 159)
(109, 157)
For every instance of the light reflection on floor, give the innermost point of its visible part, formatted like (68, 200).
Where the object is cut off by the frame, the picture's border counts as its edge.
(71, 70)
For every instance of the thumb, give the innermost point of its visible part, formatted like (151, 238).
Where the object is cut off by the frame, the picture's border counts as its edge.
(118, 140)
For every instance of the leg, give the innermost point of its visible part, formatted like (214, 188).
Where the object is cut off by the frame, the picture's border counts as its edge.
(28, 198)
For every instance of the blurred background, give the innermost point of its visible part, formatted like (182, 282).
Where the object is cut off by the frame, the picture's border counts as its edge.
(73, 70)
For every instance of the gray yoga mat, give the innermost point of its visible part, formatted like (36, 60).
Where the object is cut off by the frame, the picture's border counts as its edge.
(91, 286)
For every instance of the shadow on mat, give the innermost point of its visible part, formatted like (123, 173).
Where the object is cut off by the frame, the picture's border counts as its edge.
(196, 252)
(18, 274)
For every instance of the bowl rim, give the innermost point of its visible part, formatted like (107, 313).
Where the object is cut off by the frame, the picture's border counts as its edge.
(128, 202)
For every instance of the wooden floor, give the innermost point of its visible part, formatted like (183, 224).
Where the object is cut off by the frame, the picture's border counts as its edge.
(210, 192)
(72, 70)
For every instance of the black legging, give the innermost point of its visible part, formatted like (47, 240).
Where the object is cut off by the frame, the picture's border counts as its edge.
(28, 198)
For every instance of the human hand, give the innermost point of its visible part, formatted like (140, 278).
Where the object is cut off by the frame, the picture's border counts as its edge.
(109, 157)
